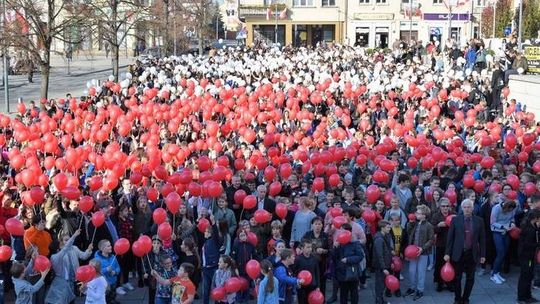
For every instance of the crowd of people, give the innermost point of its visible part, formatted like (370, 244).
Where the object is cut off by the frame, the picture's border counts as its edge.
(273, 175)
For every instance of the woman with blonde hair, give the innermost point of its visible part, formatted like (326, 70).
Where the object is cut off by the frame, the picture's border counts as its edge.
(96, 289)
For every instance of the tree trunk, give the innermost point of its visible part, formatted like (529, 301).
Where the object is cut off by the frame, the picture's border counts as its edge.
(167, 37)
(45, 67)
(115, 56)
(45, 73)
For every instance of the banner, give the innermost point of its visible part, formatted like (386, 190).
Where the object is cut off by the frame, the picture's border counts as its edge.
(532, 53)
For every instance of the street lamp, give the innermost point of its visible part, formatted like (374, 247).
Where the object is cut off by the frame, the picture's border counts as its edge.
(520, 24)
(6, 62)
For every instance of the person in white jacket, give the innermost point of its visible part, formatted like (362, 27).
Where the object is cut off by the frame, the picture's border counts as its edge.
(96, 289)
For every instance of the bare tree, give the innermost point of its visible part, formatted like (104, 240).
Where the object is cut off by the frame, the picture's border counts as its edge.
(113, 20)
(203, 12)
(41, 22)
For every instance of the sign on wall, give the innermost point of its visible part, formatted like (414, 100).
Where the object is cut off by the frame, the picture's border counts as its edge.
(532, 53)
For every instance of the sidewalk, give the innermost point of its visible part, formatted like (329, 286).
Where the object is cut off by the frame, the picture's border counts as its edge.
(82, 69)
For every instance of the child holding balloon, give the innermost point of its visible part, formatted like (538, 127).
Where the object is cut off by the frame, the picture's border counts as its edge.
(24, 289)
(109, 268)
(226, 270)
(96, 289)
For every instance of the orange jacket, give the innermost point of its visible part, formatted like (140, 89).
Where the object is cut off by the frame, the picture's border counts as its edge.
(41, 239)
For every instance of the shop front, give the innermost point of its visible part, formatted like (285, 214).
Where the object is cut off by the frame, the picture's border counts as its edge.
(371, 30)
(297, 33)
(438, 24)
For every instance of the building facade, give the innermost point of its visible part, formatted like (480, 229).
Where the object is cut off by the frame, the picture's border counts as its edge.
(367, 23)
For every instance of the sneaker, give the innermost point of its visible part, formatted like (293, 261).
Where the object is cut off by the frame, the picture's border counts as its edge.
(430, 268)
(418, 296)
(500, 278)
(409, 292)
(398, 293)
(495, 279)
(120, 291)
(128, 286)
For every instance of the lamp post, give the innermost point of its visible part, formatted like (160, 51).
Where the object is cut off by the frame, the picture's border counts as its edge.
(6, 62)
(494, 15)
(520, 26)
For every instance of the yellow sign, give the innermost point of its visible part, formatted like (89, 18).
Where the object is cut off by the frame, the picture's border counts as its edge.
(532, 53)
(360, 16)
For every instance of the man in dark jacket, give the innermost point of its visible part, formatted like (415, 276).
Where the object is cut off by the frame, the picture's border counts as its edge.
(382, 259)
(347, 258)
(528, 245)
(465, 246)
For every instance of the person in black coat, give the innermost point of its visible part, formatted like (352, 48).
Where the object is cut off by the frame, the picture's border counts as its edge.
(465, 248)
(347, 260)
(527, 248)
(263, 202)
(108, 230)
(497, 83)
(307, 261)
(382, 258)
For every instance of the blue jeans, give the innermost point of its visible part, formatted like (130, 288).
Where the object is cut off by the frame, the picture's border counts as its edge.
(160, 300)
(501, 247)
(1, 288)
(417, 272)
(208, 275)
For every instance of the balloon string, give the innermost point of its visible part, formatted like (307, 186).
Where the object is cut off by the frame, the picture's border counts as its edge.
(144, 268)
(149, 263)
(241, 213)
(174, 222)
(80, 222)
(93, 235)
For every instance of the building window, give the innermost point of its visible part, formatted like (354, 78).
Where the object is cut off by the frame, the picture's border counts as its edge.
(437, 1)
(328, 2)
(364, 1)
(380, 1)
(405, 1)
(480, 3)
(303, 3)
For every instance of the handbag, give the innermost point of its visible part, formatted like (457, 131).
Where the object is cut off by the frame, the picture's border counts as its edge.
(352, 273)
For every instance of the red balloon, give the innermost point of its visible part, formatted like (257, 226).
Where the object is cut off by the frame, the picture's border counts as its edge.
(146, 243)
(334, 180)
(468, 181)
(37, 195)
(71, 193)
(152, 194)
(528, 190)
(86, 203)
(135, 178)
(306, 276)
(98, 218)
(159, 216)
(513, 181)
(121, 246)
(41, 263)
(252, 238)
(218, 294)
(164, 231)
(215, 189)
(60, 181)
(391, 282)
(318, 184)
(369, 216)
(85, 273)
(334, 211)
(344, 237)
(262, 216)
(233, 285)
(95, 183)
(173, 202)
(274, 189)
(487, 162)
(14, 227)
(253, 269)
(239, 196)
(411, 217)
(411, 252)
(161, 173)
(5, 253)
(338, 221)
(373, 193)
(138, 249)
(397, 264)
(203, 224)
(249, 202)
(316, 297)
(514, 233)
(281, 210)
(447, 272)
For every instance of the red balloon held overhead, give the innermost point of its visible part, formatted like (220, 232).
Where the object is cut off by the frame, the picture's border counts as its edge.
(86, 203)
(513, 181)
(138, 249)
(95, 183)
(369, 216)
(274, 189)
(146, 243)
(173, 202)
(152, 194)
(338, 221)
(306, 276)
(159, 216)
(249, 202)
(529, 189)
(164, 231)
(239, 196)
(98, 218)
(41, 263)
(262, 216)
(121, 246)
(14, 227)
(252, 238)
(71, 193)
(37, 195)
(373, 193)
(60, 181)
